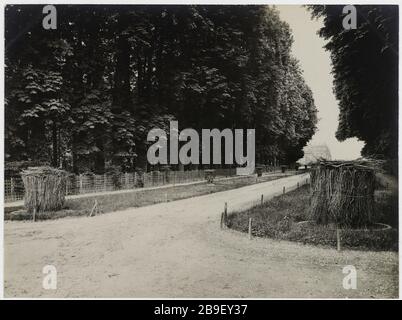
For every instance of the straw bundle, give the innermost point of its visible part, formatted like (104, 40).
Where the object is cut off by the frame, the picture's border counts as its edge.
(319, 195)
(45, 188)
(343, 193)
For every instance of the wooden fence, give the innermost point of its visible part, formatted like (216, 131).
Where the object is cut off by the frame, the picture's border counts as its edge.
(90, 183)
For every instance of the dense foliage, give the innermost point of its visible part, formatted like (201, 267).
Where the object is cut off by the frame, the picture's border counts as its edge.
(365, 68)
(85, 95)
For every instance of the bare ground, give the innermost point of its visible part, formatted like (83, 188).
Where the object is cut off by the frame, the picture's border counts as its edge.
(177, 249)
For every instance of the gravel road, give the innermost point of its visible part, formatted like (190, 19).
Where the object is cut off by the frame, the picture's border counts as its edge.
(177, 249)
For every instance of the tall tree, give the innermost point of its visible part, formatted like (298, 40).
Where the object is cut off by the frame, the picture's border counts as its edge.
(86, 94)
(365, 68)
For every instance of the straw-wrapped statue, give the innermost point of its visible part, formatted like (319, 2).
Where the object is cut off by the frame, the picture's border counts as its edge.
(342, 192)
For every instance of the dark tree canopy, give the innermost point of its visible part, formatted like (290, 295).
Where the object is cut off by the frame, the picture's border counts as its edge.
(85, 95)
(365, 68)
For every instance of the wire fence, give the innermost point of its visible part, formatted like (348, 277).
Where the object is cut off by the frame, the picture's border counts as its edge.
(90, 183)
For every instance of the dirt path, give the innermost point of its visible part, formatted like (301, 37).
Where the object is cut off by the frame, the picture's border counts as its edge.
(177, 250)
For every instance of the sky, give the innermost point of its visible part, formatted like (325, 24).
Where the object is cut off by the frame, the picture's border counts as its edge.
(315, 62)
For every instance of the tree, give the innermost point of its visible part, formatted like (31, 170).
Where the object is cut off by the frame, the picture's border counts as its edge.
(95, 86)
(365, 68)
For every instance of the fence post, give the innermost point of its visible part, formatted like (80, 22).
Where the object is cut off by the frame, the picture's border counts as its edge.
(338, 239)
(283, 189)
(13, 197)
(80, 177)
(222, 218)
(262, 199)
(249, 228)
(104, 182)
(225, 214)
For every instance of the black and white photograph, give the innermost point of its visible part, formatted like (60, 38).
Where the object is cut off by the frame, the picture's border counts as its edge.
(200, 151)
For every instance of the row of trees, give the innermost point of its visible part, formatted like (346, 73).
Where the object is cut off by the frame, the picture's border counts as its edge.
(85, 95)
(365, 67)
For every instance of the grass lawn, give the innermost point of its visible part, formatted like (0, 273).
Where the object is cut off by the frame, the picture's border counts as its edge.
(281, 218)
(139, 198)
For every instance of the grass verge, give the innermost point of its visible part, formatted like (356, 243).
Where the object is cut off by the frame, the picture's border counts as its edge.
(139, 198)
(281, 219)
